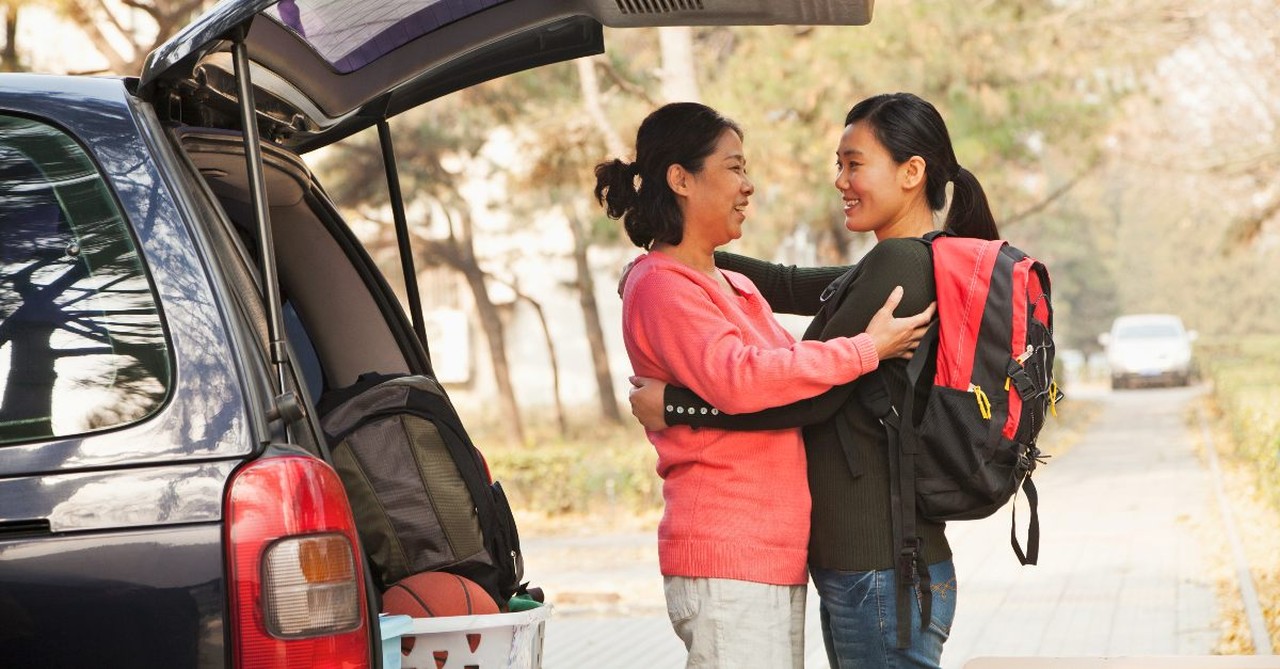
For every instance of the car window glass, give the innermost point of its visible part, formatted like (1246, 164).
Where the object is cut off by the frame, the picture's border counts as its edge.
(1149, 331)
(82, 347)
(304, 352)
(350, 35)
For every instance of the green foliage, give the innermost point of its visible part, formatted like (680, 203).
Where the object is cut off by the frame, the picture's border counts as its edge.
(595, 468)
(1010, 78)
(1246, 381)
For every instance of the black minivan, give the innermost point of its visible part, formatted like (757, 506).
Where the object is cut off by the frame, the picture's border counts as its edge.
(176, 289)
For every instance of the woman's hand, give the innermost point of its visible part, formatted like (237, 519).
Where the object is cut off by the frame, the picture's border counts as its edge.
(896, 337)
(626, 270)
(647, 403)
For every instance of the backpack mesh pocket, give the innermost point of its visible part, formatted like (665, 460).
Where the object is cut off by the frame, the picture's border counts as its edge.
(964, 468)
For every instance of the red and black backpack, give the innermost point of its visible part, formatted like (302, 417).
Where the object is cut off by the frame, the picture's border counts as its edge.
(974, 444)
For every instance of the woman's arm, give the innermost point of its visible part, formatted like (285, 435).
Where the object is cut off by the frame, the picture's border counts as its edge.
(677, 333)
(787, 288)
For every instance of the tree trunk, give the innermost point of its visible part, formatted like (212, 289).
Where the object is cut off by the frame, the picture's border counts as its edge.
(554, 361)
(117, 62)
(458, 253)
(589, 84)
(591, 317)
(491, 323)
(581, 244)
(679, 77)
(9, 57)
(33, 358)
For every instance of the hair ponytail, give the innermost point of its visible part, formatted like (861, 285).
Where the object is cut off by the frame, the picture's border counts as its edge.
(616, 190)
(616, 187)
(970, 213)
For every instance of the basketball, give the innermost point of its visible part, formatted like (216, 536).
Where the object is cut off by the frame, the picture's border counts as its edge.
(436, 593)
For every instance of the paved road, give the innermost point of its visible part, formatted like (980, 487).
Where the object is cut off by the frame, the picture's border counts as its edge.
(1122, 571)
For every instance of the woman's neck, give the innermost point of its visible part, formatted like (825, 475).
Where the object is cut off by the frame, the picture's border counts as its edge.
(686, 254)
(915, 222)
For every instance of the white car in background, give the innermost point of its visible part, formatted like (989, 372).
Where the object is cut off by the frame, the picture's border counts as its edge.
(1148, 349)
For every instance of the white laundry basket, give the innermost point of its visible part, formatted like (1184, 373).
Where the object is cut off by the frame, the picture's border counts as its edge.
(492, 641)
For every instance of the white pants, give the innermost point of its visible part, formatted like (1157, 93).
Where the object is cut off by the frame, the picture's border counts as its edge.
(727, 624)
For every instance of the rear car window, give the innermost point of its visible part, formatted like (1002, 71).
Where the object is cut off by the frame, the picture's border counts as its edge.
(82, 347)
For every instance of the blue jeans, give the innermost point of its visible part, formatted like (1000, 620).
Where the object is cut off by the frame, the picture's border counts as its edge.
(860, 620)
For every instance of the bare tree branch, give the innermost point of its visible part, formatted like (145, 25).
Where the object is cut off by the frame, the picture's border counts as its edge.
(626, 85)
(116, 61)
(1049, 199)
(105, 11)
(1245, 232)
(589, 84)
(551, 349)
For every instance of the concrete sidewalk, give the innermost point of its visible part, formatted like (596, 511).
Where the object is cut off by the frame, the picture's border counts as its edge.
(1121, 570)
(1120, 573)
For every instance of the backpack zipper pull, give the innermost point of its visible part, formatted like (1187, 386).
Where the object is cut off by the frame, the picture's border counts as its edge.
(1053, 398)
(984, 403)
(1026, 354)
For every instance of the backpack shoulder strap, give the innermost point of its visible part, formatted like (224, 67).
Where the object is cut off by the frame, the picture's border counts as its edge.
(912, 573)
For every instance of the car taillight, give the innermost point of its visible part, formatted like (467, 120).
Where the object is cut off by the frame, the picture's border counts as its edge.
(295, 583)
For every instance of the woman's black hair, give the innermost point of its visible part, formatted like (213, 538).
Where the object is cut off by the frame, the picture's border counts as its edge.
(680, 133)
(907, 126)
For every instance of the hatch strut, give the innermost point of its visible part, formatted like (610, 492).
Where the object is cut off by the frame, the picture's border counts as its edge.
(402, 233)
(287, 406)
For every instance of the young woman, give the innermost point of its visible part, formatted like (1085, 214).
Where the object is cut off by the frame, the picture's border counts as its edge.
(893, 163)
(733, 539)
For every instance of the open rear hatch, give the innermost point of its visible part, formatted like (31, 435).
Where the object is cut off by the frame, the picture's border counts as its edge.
(325, 69)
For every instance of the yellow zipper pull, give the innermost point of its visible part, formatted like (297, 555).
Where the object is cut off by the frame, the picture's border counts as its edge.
(1053, 398)
(984, 403)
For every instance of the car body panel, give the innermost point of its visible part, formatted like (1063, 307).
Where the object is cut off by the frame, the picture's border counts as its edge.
(118, 498)
(82, 600)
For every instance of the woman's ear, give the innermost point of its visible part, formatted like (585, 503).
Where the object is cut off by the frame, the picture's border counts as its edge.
(912, 173)
(678, 179)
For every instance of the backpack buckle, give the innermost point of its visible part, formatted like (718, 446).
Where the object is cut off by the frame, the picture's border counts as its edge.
(1021, 379)
(908, 561)
(892, 418)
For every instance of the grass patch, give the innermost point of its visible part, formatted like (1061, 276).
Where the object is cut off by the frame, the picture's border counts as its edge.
(595, 468)
(1245, 372)
(1244, 410)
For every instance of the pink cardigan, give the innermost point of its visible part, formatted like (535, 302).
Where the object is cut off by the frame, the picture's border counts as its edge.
(737, 503)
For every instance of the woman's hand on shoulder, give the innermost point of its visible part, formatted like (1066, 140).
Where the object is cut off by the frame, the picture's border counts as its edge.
(898, 337)
(647, 402)
(626, 271)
